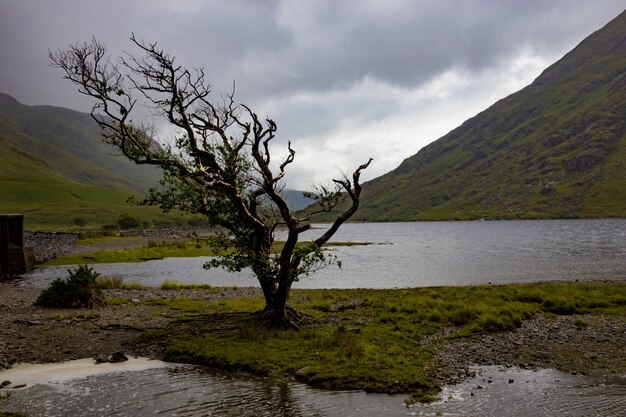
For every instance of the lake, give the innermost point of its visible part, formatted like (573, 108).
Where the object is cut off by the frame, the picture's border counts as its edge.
(418, 254)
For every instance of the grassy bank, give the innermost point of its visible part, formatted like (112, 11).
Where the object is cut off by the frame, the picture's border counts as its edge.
(154, 250)
(375, 340)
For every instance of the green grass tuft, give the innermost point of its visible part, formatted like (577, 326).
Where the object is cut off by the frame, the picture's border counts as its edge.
(173, 285)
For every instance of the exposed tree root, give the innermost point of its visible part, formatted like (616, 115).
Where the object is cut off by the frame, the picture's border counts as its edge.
(292, 319)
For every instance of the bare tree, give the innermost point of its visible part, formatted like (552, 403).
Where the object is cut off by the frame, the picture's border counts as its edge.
(219, 165)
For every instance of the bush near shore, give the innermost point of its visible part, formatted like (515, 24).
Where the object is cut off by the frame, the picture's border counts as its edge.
(78, 290)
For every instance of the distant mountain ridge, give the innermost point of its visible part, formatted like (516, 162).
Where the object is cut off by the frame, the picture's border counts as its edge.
(54, 168)
(557, 148)
(64, 145)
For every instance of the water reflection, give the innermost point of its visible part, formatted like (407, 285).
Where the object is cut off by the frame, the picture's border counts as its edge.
(194, 391)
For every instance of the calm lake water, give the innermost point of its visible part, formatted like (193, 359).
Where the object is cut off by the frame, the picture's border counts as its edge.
(424, 254)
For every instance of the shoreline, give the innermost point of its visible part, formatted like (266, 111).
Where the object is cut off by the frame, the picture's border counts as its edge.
(178, 325)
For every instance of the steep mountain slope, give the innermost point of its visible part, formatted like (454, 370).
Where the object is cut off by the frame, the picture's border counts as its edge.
(54, 168)
(557, 148)
(70, 144)
(295, 199)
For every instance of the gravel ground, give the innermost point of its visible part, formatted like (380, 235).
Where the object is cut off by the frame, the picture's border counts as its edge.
(578, 344)
(31, 334)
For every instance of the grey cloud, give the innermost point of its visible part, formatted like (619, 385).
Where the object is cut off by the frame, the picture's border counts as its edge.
(278, 47)
(336, 43)
(304, 62)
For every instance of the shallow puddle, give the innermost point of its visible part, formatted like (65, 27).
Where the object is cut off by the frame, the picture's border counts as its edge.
(499, 391)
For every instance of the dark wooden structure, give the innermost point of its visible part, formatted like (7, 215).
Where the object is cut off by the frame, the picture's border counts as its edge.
(13, 255)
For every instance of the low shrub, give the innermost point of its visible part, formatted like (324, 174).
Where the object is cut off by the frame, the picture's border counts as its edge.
(126, 221)
(90, 234)
(79, 221)
(173, 285)
(561, 306)
(580, 324)
(110, 282)
(79, 290)
(463, 315)
(167, 245)
(322, 306)
(111, 229)
(170, 285)
(492, 323)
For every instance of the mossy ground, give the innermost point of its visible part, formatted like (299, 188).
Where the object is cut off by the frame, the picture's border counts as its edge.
(375, 340)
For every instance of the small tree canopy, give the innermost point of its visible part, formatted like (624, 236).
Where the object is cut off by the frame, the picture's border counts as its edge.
(126, 221)
(219, 165)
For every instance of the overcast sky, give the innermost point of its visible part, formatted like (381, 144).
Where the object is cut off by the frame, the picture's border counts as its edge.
(343, 79)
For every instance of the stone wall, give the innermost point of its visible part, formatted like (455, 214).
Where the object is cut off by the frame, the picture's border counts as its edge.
(49, 245)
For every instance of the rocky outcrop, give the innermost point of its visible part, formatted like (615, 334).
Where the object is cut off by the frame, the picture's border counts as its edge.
(583, 162)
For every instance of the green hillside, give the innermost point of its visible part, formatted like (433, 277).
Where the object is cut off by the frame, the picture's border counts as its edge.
(555, 149)
(69, 141)
(54, 169)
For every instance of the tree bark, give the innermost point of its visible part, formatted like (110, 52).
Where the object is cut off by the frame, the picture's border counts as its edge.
(276, 312)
